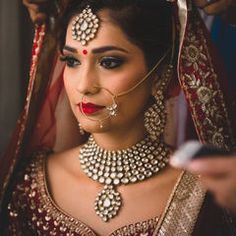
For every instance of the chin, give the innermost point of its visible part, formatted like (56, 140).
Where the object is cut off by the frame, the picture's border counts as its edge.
(94, 126)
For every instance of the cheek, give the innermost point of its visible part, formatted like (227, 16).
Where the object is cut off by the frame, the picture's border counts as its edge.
(127, 79)
(69, 86)
(136, 101)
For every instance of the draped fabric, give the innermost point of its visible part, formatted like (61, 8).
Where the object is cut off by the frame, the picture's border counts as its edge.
(47, 121)
(14, 59)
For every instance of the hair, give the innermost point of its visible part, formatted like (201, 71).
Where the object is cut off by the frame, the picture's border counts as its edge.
(147, 24)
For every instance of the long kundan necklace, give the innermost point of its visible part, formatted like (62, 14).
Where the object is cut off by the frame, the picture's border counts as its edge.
(120, 167)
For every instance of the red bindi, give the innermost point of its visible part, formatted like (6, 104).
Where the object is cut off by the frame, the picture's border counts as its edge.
(85, 52)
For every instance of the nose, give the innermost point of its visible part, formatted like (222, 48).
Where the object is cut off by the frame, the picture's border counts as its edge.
(87, 82)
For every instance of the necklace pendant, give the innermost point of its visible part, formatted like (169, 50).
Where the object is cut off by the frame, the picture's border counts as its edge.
(108, 203)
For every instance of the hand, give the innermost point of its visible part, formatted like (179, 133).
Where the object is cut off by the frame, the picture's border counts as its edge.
(218, 175)
(36, 15)
(214, 7)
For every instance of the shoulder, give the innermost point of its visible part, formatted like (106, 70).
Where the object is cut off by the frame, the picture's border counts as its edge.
(66, 162)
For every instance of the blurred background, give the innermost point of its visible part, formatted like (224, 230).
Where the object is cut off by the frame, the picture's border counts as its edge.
(16, 33)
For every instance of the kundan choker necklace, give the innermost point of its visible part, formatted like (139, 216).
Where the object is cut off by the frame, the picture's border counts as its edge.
(113, 168)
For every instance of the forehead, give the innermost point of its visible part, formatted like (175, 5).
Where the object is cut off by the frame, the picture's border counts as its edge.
(108, 33)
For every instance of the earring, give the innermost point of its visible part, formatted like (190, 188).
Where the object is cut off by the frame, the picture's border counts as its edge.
(155, 116)
(81, 131)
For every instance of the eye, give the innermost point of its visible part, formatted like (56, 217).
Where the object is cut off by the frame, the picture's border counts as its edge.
(70, 61)
(111, 62)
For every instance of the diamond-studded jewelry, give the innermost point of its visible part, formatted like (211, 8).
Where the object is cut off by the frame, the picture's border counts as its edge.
(111, 110)
(155, 116)
(85, 26)
(120, 167)
(81, 131)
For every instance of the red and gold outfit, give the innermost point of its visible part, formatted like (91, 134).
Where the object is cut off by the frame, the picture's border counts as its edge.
(26, 205)
(33, 210)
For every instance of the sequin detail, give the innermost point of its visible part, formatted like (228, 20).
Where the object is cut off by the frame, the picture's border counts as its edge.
(32, 205)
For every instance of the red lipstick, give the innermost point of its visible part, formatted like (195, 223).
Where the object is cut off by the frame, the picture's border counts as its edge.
(90, 108)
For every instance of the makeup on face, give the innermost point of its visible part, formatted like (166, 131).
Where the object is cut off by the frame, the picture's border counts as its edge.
(109, 63)
(89, 108)
(109, 57)
(85, 52)
(99, 50)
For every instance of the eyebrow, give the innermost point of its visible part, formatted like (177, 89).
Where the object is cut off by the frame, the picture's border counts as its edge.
(97, 50)
(108, 48)
(70, 49)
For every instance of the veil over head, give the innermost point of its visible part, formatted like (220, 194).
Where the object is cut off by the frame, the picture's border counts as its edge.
(47, 121)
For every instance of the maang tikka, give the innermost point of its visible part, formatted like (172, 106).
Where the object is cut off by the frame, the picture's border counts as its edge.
(85, 26)
(155, 116)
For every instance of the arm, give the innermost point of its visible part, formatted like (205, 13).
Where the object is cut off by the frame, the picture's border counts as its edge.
(225, 8)
(36, 13)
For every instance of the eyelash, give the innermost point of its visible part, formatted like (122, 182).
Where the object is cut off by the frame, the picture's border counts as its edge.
(70, 61)
(108, 63)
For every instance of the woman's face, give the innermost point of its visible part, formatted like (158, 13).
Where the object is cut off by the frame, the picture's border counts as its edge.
(110, 62)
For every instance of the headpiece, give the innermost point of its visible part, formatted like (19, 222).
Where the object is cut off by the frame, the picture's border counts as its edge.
(85, 26)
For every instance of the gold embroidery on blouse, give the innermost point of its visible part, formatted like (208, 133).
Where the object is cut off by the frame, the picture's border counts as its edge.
(53, 211)
(182, 209)
(70, 223)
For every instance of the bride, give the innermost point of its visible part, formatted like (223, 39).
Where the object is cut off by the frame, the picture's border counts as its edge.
(117, 74)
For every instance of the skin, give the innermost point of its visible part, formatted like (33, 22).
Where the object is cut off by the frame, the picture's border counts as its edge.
(36, 15)
(90, 71)
(216, 7)
(225, 8)
(78, 193)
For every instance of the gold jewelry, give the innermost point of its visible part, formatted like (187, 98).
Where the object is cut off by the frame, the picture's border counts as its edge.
(81, 131)
(85, 26)
(155, 116)
(111, 110)
(119, 167)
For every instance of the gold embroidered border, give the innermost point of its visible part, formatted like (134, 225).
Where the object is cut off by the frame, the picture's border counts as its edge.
(48, 205)
(183, 207)
(201, 87)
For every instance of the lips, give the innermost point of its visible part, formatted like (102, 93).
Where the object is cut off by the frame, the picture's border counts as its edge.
(90, 108)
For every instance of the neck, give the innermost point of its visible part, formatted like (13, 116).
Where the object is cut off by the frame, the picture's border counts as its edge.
(122, 138)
